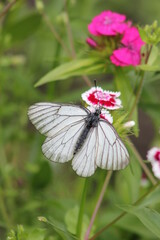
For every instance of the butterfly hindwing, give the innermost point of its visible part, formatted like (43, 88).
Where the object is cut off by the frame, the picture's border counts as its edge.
(84, 162)
(112, 154)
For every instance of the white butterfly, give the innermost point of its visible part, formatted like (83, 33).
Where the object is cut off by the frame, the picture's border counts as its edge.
(75, 133)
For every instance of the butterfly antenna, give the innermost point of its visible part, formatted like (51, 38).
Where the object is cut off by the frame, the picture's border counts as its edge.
(95, 84)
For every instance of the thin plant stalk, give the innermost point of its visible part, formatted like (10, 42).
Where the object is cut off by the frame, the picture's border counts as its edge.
(70, 39)
(109, 174)
(124, 213)
(143, 165)
(69, 31)
(81, 209)
(7, 8)
(54, 32)
(138, 94)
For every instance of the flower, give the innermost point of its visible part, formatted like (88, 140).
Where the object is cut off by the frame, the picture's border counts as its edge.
(107, 23)
(104, 114)
(156, 169)
(153, 156)
(91, 42)
(144, 180)
(129, 53)
(97, 96)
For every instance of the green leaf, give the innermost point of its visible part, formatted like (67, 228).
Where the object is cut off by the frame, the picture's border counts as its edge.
(149, 68)
(73, 68)
(152, 199)
(71, 219)
(149, 217)
(60, 229)
(19, 234)
(36, 234)
(130, 223)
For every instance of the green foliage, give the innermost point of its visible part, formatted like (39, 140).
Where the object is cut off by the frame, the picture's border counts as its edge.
(21, 234)
(79, 67)
(150, 33)
(31, 186)
(149, 217)
(71, 219)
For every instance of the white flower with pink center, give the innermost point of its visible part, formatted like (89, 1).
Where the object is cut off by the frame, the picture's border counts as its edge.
(106, 99)
(153, 156)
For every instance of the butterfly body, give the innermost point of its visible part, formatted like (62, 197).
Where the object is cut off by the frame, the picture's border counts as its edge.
(75, 133)
(91, 121)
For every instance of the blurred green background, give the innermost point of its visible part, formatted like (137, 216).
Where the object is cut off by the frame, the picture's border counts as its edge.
(29, 185)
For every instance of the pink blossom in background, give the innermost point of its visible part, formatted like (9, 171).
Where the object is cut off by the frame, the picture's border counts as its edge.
(144, 180)
(91, 42)
(108, 23)
(104, 114)
(153, 156)
(130, 51)
(106, 99)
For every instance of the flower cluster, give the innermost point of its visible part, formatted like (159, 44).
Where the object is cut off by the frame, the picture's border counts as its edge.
(107, 100)
(153, 156)
(127, 47)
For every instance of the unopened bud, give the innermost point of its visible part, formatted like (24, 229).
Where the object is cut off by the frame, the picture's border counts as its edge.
(129, 124)
(39, 5)
(42, 219)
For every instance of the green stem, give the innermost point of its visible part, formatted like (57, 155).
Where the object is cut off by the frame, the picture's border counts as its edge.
(70, 39)
(54, 32)
(69, 32)
(138, 94)
(137, 97)
(124, 213)
(4, 212)
(81, 209)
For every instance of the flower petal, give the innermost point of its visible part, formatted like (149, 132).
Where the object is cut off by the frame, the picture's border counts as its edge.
(106, 99)
(125, 57)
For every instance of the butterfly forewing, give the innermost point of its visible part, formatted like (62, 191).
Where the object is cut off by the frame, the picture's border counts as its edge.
(51, 118)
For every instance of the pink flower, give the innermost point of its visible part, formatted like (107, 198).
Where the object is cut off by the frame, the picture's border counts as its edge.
(153, 156)
(97, 96)
(144, 180)
(91, 42)
(107, 23)
(104, 114)
(130, 52)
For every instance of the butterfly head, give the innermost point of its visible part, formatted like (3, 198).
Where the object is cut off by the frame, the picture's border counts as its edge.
(97, 111)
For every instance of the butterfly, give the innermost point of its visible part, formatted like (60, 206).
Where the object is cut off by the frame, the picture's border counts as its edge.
(75, 133)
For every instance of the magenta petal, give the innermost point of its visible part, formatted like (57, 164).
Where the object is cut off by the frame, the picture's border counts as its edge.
(116, 16)
(116, 62)
(107, 30)
(125, 57)
(131, 37)
(107, 23)
(92, 30)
